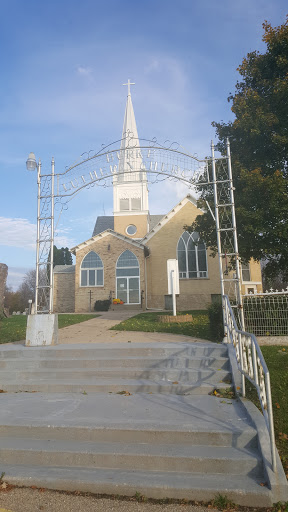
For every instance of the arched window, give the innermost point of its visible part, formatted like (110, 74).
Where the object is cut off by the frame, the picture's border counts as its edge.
(92, 270)
(128, 278)
(191, 253)
(127, 265)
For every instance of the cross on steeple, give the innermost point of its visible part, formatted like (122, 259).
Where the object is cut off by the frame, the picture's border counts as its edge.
(129, 83)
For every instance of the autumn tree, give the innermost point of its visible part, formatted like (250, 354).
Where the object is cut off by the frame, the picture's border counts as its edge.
(259, 143)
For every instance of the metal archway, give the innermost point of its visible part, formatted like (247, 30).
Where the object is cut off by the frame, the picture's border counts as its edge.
(160, 162)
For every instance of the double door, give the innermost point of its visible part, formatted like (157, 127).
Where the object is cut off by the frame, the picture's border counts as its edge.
(128, 289)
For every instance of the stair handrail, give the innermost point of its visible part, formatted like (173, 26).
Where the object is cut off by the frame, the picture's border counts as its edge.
(252, 365)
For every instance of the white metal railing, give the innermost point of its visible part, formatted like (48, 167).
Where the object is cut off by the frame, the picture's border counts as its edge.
(251, 365)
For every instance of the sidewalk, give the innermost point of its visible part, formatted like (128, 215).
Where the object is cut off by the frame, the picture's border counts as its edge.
(97, 330)
(35, 500)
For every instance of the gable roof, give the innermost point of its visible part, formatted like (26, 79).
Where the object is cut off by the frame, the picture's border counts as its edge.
(103, 235)
(163, 220)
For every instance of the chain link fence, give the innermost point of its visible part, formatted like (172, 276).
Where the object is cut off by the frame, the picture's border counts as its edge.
(266, 314)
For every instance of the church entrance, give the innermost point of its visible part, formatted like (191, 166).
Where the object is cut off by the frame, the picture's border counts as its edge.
(128, 278)
(128, 289)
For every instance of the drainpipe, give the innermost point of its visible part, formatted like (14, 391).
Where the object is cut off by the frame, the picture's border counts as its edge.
(146, 294)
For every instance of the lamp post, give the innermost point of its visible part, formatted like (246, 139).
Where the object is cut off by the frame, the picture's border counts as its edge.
(45, 234)
(42, 327)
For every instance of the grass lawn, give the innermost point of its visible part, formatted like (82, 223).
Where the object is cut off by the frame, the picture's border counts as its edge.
(14, 327)
(148, 322)
(276, 358)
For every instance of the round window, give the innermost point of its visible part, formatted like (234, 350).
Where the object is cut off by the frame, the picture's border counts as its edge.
(131, 229)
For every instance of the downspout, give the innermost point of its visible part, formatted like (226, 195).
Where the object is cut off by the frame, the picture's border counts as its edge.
(146, 290)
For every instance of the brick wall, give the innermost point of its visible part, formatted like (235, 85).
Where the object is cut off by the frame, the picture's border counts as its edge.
(3, 279)
(194, 293)
(64, 293)
(109, 249)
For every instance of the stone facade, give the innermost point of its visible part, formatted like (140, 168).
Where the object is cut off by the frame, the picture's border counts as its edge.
(3, 279)
(109, 248)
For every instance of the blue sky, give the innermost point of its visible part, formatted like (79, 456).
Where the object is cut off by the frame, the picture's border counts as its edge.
(63, 64)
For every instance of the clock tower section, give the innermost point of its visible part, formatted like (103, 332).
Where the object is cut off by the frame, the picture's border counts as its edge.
(130, 187)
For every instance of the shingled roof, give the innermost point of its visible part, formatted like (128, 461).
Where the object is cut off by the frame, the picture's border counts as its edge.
(64, 269)
(103, 223)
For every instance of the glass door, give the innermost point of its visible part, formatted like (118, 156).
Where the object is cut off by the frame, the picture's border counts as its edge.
(128, 278)
(128, 289)
(122, 289)
(134, 289)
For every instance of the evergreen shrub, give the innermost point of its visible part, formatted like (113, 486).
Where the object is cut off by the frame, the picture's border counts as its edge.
(102, 305)
(215, 314)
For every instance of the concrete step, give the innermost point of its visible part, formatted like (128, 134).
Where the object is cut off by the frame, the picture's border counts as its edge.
(51, 385)
(144, 456)
(241, 489)
(187, 376)
(114, 350)
(242, 440)
(161, 446)
(117, 362)
(127, 307)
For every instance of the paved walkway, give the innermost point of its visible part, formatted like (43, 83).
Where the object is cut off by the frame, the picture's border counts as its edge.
(35, 500)
(97, 330)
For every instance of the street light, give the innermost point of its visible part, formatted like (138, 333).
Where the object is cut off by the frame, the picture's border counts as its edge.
(42, 327)
(31, 163)
(45, 234)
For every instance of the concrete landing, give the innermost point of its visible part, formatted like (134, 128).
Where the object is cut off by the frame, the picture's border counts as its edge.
(203, 414)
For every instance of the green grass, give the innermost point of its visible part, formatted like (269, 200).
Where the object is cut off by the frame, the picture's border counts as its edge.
(276, 358)
(14, 327)
(148, 322)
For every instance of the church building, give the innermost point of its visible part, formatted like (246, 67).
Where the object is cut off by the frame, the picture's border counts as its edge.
(126, 256)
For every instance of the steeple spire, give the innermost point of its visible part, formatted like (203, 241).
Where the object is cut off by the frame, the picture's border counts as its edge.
(129, 125)
(130, 188)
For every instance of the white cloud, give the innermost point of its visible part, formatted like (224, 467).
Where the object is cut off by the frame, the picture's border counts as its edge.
(15, 276)
(154, 65)
(62, 239)
(21, 233)
(84, 70)
(17, 233)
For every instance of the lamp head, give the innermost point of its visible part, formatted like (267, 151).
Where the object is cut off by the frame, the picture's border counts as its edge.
(31, 163)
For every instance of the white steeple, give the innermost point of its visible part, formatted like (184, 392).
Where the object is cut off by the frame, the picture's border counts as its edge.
(130, 190)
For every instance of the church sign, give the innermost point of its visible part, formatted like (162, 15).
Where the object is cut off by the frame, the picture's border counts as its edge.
(131, 160)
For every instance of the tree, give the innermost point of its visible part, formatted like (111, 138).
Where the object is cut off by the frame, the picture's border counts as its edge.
(61, 256)
(13, 301)
(259, 146)
(18, 301)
